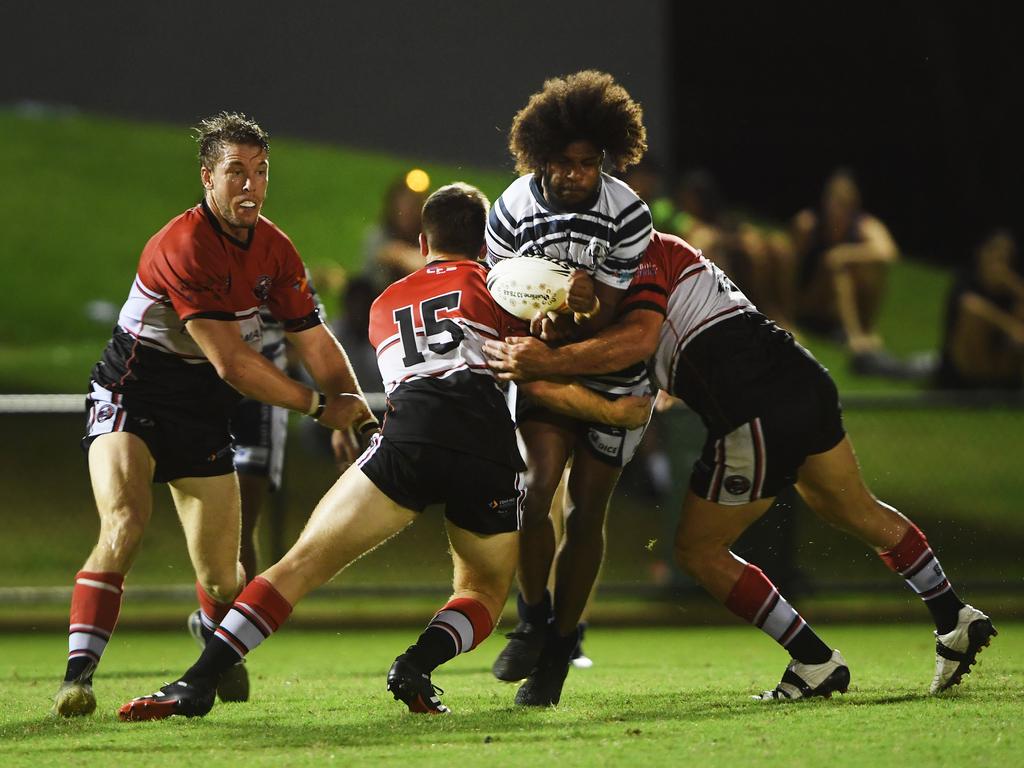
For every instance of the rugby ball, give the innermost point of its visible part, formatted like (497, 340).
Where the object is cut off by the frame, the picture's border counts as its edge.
(526, 285)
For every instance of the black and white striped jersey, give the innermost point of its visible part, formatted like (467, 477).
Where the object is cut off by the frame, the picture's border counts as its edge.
(607, 240)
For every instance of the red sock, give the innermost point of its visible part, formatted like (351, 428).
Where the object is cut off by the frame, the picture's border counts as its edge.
(755, 599)
(211, 611)
(95, 606)
(914, 560)
(257, 613)
(457, 628)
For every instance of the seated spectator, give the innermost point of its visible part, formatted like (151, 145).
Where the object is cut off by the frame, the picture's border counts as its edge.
(391, 250)
(984, 339)
(844, 255)
(759, 261)
(352, 329)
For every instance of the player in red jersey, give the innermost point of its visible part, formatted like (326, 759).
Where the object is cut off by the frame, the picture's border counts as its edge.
(773, 419)
(185, 348)
(448, 437)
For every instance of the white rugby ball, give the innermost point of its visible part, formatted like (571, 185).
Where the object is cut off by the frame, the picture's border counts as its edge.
(526, 285)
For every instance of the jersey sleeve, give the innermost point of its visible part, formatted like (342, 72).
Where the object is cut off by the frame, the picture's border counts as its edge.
(650, 288)
(500, 234)
(292, 299)
(633, 228)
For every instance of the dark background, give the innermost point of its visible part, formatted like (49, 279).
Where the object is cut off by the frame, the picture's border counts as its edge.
(919, 98)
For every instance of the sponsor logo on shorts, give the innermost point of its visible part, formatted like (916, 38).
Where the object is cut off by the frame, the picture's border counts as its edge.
(225, 451)
(737, 485)
(105, 412)
(504, 506)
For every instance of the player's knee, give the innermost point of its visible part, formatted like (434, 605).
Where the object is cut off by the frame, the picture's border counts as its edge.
(694, 557)
(121, 531)
(222, 587)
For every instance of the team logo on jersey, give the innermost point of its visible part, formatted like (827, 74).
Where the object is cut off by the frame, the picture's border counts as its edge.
(262, 288)
(595, 252)
(105, 412)
(301, 285)
(737, 485)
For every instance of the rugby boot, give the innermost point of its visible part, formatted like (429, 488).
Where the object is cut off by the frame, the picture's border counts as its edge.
(579, 658)
(233, 685)
(958, 649)
(75, 697)
(413, 687)
(802, 681)
(543, 686)
(177, 698)
(519, 656)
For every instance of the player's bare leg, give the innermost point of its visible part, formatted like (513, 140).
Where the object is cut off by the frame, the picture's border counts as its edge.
(706, 532)
(353, 518)
(484, 566)
(591, 483)
(832, 485)
(590, 487)
(547, 446)
(210, 514)
(559, 506)
(121, 471)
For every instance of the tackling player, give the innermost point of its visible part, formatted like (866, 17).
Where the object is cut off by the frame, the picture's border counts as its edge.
(773, 419)
(447, 438)
(565, 208)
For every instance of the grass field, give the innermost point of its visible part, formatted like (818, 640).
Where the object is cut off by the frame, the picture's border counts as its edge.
(654, 697)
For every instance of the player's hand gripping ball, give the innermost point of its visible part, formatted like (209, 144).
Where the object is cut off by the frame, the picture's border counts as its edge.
(526, 285)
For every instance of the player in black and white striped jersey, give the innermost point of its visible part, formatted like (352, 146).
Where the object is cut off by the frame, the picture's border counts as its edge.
(773, 419)
(565, 208)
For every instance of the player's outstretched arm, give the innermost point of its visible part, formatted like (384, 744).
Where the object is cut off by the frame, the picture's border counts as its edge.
(632, 339)
(584, 404)
(244, 368)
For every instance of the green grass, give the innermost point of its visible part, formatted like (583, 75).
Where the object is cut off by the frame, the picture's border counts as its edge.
(87, 194)
(654, 697)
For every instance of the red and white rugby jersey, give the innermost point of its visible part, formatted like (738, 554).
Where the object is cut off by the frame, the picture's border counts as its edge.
(428, 330)
(676, 280)
(193, 269)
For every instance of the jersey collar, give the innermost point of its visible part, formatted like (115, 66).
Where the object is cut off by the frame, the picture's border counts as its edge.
(215, 223)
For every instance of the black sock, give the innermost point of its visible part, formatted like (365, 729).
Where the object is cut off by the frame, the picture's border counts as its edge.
(534, 614)
(216, 659)
(945, 610)
(807, 648)
(432, 649)
(80, 667)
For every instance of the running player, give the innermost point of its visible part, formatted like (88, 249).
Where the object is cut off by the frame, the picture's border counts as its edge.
(447, 422)
(565, 208)
(185, 345)
(773, 419)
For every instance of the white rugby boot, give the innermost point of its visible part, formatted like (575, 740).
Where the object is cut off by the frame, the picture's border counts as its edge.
(958, 649)
(802, 681)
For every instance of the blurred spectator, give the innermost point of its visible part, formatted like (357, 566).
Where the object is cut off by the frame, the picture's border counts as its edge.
(984, 339)
(761, 262)
(391, 250)
(352, 329)
(844, 255)
(645, 178)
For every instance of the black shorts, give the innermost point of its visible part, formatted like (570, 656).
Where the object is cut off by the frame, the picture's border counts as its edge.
(182, 444)
(479, 495)
(761, 457)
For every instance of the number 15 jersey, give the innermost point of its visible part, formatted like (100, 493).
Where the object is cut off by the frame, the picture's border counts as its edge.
(428, 330)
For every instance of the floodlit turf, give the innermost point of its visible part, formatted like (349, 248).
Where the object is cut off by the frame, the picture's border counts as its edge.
(654, 697)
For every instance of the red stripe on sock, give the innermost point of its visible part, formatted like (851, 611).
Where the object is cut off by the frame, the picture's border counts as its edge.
(213, 609)
(905, 554)
(260, 595)
(478, 616)
(749, 594)
(96, 606)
